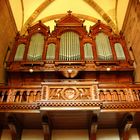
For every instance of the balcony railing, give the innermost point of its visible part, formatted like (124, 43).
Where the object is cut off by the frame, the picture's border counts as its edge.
(71, 93)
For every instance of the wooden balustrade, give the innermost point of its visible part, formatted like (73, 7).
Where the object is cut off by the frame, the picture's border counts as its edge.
(69, 91)
(20, 95)
(120, 94)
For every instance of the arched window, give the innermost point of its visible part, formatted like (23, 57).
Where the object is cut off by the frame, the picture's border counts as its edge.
(19, 52)
(88, 51)
(50, 52)
(103, 47)
(119, 51)
(36, 47)
(69, 46)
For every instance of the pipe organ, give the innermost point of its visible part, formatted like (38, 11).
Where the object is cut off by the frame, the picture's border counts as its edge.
(70, 79)
(70, 51)
(71, 47)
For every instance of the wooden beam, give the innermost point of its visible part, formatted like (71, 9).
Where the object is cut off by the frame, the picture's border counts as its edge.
(46, 128)
(15, 127)
(125, 127)
(93, 128)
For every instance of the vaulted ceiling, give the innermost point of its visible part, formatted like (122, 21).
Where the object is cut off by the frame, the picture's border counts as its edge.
(28, 12)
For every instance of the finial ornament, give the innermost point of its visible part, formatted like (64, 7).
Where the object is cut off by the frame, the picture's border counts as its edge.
(69, 12)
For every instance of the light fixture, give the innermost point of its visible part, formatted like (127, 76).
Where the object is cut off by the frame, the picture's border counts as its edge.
(31, 70)
(69, 71)
(108, 69)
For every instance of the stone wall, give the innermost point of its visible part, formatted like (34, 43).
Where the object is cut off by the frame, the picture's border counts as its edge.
(131, 29)
(8, 31)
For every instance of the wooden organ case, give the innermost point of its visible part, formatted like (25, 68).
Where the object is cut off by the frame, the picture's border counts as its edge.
(87, 74)
(69, 52)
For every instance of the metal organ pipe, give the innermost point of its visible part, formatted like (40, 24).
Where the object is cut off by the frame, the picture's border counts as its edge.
(69, 47)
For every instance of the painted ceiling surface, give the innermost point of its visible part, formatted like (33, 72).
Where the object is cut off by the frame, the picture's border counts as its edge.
(29, 12)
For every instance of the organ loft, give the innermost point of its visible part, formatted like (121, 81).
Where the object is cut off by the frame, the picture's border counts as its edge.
(70, 78)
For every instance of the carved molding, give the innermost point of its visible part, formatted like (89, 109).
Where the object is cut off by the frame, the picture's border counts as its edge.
(16, 106)
(82, 104)
(88, 105)
(121, 106)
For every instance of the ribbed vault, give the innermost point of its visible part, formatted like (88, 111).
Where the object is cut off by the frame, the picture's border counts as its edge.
(100, 10)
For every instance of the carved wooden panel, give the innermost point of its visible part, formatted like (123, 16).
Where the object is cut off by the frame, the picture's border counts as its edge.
(69, 93)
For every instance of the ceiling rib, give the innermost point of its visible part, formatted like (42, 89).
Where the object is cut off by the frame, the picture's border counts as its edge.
(58, 16)
(103, 14)
(22, 6)
(35, 14)
(116, 20)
